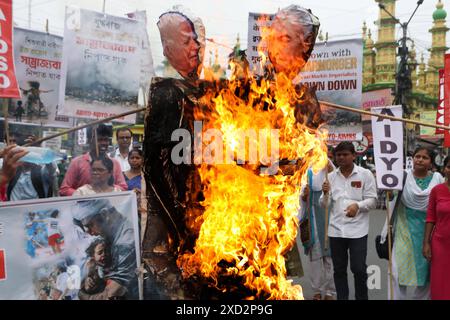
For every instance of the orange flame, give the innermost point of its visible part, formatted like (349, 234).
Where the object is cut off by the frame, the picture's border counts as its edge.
(250, 220)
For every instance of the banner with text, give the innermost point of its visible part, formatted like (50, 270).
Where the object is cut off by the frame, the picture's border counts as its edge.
(70, 248)
(8, 82)
(101, 65)
(38, 56)
(335, 69)
(256, 23)
(441, 103)
(388, 148)
(447, 99)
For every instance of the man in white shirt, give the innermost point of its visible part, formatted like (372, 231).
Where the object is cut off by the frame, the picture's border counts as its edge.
(351, 193)
(124, 137)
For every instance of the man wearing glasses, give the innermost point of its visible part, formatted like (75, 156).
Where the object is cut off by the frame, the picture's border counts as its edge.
(124, 138)
(79, 172)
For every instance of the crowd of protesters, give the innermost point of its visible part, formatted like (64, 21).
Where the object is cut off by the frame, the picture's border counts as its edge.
(421, 237)
(338, 200)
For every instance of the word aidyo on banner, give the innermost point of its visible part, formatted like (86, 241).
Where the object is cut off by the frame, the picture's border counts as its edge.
(388, 148)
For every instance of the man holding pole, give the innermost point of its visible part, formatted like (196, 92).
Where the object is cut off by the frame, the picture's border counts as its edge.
(350, 194)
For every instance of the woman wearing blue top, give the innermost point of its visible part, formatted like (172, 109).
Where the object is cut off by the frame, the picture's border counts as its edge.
(133, 176)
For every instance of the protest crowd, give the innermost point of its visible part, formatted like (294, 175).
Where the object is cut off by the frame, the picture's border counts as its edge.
(334, 203)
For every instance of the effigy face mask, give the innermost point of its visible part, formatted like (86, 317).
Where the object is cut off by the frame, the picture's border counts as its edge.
(183, 40)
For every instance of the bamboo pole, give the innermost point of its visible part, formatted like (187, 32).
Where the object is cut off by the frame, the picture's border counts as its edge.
(326, 209)
(391, 287)
(337, 106)
(5, 115)
(84, 126)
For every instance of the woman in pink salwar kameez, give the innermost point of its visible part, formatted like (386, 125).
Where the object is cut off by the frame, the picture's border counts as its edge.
(436, 246)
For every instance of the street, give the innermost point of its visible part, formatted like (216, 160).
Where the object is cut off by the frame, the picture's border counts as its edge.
(377, 268)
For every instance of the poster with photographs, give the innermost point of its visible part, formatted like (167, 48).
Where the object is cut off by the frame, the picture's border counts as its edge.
(71, 248)
(101, 65)
(37, 58)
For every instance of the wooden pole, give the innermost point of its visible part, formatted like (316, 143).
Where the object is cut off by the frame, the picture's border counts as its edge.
(384, 116)
(322, 102)
(326, 209)
(84, 126)
(5, 115)
(94, 132)
(391, 287)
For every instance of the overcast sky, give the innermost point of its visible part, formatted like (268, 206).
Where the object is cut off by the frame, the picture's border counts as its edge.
(224, 19)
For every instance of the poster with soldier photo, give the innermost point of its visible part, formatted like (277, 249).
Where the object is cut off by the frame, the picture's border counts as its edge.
(37, 58)
(72, 248)
(101, 65)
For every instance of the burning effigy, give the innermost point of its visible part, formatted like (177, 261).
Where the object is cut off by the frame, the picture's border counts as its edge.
(224, 164)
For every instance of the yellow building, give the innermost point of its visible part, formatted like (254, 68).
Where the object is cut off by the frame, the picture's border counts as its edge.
(380, 60)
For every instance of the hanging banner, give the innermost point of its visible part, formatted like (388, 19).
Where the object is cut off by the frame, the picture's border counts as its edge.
(335, 69)
(8, 82)
(447, 99)
(374, 99)
(70, 248)
(441, 106)
(37, 57)
(101, 65)
(388, 148)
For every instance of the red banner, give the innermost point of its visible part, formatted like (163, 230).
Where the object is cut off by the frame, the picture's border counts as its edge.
(440, 111)
(447, 99)
(8, 82)
(2, 265)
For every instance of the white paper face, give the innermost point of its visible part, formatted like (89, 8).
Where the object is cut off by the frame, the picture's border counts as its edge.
(182, 46)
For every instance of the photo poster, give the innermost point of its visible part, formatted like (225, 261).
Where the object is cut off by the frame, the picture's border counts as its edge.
(335, 69)
(48, 255)
(101, 66)
(37, 58)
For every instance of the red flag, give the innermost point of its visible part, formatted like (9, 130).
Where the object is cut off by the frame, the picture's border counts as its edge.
(447, 99)
(441, 108)
(8, 82)
(2, 265)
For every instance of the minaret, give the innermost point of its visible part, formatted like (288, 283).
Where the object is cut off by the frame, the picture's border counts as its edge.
(386, 62)
(413, 66)
(369, 59)
(438, 48)
(422, 75)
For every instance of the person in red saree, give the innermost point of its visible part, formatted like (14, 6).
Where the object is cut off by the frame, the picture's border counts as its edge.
(436, 243)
